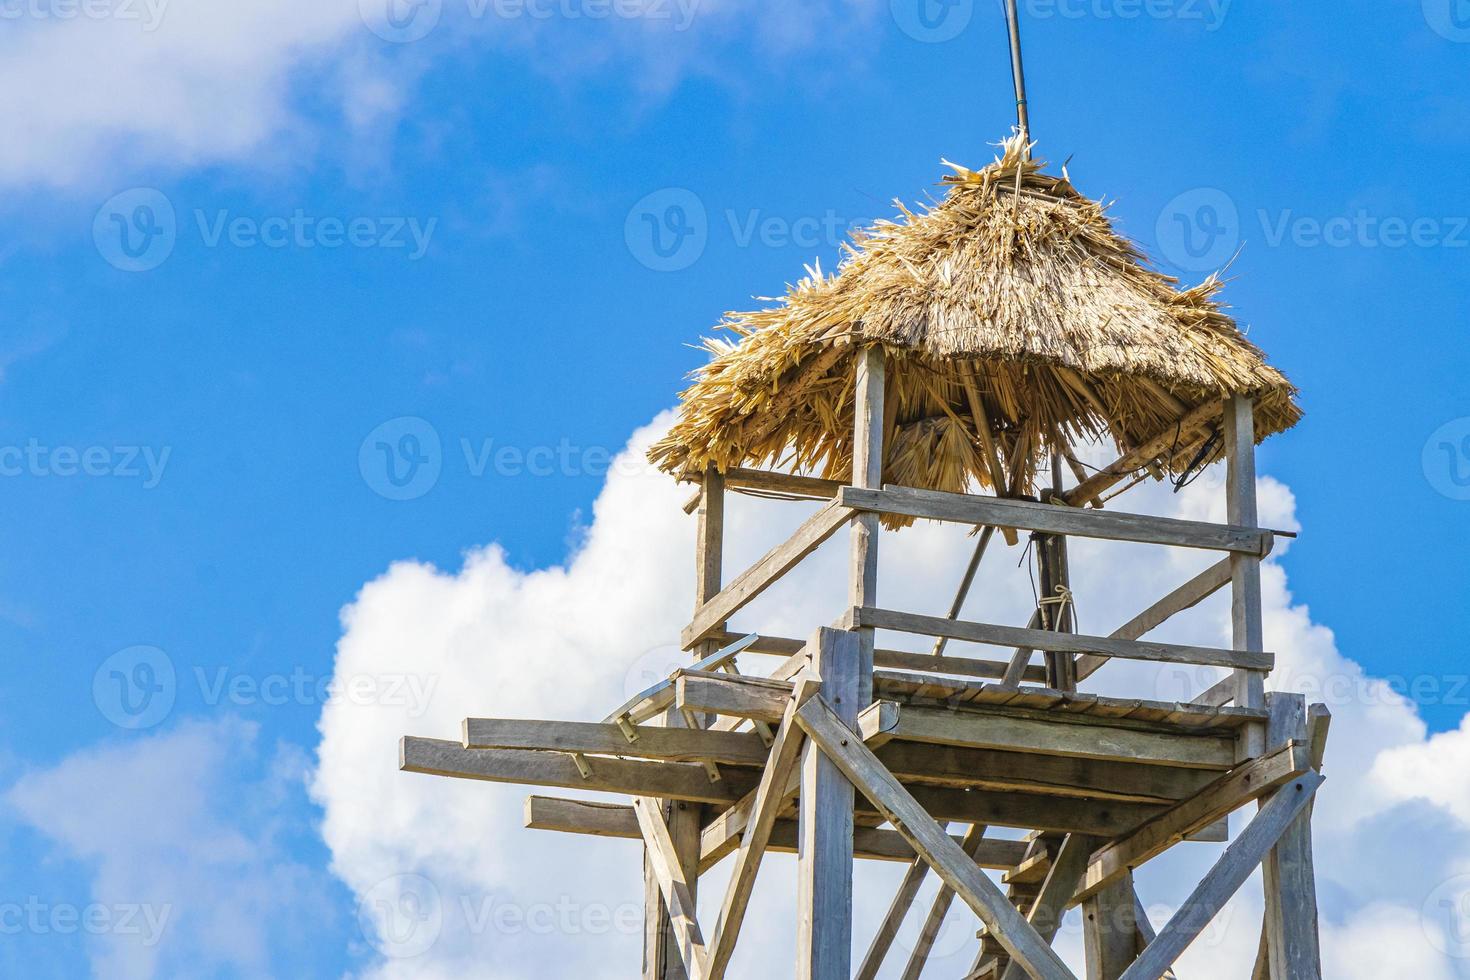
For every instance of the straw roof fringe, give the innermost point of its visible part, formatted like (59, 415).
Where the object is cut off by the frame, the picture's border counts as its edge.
(1017, 322)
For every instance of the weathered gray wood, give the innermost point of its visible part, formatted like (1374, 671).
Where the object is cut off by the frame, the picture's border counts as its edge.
(670, 780)
(1003, 771)
(824, 863)
(753, 581)
(1016, 636)
(1026, 515)
(1073, 738)
(949, 861)
(666, 744)
(1245, 784)
(1187, 596)
(1290, 878)
(867, 471)
(898, 910)
(671, 871)
(1247, 620)
(765, 808)
(772, 482)
(742, 697)
(1050, 906)
(1110, 930)
(660, 697)
(939, 910)
(1143, 454)
(896, 659)
(1224, 879)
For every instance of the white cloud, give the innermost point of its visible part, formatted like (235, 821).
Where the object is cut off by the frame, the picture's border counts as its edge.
(179, 833)
(571, 641)
(115, 89)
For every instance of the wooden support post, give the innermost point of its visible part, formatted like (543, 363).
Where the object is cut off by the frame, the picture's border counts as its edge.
(1245, 570)
(825, 824)
(709, 548)
(867, 473)
(1291, 885)
(1056, 606)
(1111, 930)
(939, 910)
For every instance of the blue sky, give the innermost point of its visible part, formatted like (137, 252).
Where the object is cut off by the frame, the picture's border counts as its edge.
(192, 459)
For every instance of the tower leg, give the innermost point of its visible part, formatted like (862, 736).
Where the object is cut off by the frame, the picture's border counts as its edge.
(1292, 944)
(824, 836)
(1110, 930)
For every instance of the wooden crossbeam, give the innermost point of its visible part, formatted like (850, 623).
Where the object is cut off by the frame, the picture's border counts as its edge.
(771, 482)
(663, 859)
(939, 910)
(1038, 735)
(780, 646)
(1143, 454)
(1240, 859)
(666, 780)
(757, 698)
(1026, 515)
(1187, 596)
(1218, 800)
(1035, 639)
(771, 566)
(765, 808)
(929, 839)
(664, 744)
(659, 697)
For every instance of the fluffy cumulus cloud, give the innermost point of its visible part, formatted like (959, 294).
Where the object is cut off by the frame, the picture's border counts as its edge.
(118, 88)
(450, 882)
(184, 841)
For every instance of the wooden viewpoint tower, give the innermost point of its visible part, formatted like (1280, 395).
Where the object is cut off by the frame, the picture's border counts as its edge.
(957, 355)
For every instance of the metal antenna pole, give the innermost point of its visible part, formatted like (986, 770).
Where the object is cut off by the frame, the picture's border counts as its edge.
(1023, 113)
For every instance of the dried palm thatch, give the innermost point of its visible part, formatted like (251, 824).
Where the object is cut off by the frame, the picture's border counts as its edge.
(1016, 322)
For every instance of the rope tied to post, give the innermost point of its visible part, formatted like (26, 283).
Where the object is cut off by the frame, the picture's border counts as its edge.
(1062, 600)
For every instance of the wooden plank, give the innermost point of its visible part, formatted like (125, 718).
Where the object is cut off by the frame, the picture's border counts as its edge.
(1050, 906)
(669, 780)
(757, 578)
(939, 910)
(898, 910)
(1187, 596)
(666, 744)
(1247, 621)
(775, 484)
(1247, 783)
(742, 697)
(676, 885)
(1017, 636)
(766, 807)
(1002, 771)
(1143, 454)
(1072, 738)
(660, 697)
(1290, 879)
(928, 838)
(824, 861)
(1025, 515)
(1225, 878)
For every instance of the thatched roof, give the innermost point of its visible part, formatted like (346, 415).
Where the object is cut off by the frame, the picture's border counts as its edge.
(1016, 320)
